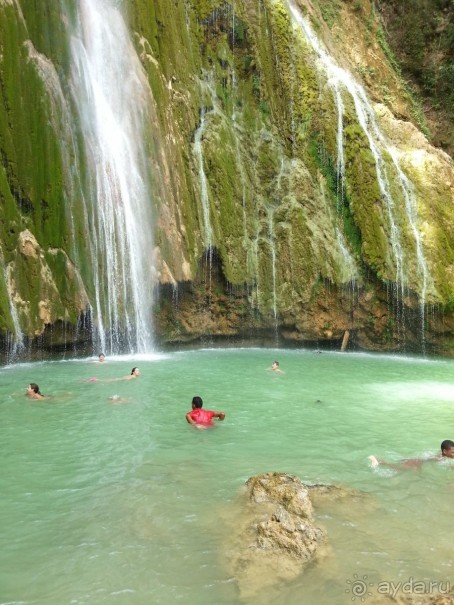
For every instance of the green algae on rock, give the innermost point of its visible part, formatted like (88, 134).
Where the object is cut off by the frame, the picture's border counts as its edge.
(293, 229)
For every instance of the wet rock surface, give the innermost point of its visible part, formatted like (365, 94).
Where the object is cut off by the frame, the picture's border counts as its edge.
(278, 536)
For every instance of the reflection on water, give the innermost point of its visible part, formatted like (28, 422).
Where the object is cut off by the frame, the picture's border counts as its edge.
(105, 503)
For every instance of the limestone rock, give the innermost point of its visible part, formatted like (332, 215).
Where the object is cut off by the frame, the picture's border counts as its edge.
(321, 492)
(277, 537)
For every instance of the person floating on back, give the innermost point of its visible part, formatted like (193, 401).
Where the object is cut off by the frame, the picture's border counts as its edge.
(135, 373)
(33, 391)
(201, 418)
(447, 451)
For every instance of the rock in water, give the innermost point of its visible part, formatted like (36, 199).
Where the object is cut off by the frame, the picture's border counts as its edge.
(277, 537)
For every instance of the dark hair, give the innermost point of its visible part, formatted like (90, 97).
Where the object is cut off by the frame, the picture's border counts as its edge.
(197, 401)
(276, 362)
(446, 445)
(35, 388)
(101, 355)
(133, 369)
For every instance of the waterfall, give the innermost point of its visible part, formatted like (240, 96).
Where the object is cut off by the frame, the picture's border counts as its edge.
(17, 343)
(346, 264)
(203, 183)
(114, 102)
(341, 81)
(340, 167)
(15, 340)
(271, 242)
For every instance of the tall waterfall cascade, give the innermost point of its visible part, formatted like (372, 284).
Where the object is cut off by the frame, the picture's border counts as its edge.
(204, 198)
(16, 339)
(219, 170)
(342, 83)
(113, 99)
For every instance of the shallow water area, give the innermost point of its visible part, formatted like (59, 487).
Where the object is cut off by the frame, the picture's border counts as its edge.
(121, 501)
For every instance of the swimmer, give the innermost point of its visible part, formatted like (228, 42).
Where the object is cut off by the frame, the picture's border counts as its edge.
(447, 451)
(275, 368)
(199, 418)
(116, 399)
(33, 391)
(135, 373)
(101, 358)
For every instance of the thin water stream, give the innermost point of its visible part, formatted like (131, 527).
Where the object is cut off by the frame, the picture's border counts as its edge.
(124, 503)
(204, 197)
(342, 82)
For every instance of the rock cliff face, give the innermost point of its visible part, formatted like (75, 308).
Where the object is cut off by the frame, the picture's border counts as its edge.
(293, 188)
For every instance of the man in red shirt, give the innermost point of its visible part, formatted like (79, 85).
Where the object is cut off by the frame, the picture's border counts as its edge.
(200, 418)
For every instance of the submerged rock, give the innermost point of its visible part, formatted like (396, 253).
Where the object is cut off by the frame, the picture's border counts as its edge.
(322, 494)
(277, 537)
(446, 599)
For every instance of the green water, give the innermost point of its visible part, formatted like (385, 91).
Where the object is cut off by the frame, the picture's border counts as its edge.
(127, 504)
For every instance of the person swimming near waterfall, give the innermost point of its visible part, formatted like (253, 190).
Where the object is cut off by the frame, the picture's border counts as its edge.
(447, 451)
(33, 391)
(275, 368)
(101, 358)
(199, 418)
(135, 373)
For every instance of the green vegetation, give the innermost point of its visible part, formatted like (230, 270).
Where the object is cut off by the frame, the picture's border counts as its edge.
(269, 152)
(421, 34)
(329, 9)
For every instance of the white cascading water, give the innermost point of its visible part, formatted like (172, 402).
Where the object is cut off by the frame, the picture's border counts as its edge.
(340, 165)
(341, 80)
(113, 98)
(347, 268)
(15, 342)
(203, 183)
(271, 242)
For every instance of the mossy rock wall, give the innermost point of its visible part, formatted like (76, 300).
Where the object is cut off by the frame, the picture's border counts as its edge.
(286, 225)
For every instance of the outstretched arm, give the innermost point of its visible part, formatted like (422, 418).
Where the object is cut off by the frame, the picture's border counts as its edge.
(219, 415)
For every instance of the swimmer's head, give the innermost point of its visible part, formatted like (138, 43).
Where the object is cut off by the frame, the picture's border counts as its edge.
(275, 365)
(101, 357)
(33, 387)
(197, 402)
(135, 372)
(447, 448)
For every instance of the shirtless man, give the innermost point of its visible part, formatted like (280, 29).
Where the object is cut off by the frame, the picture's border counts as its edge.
(447, 451)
